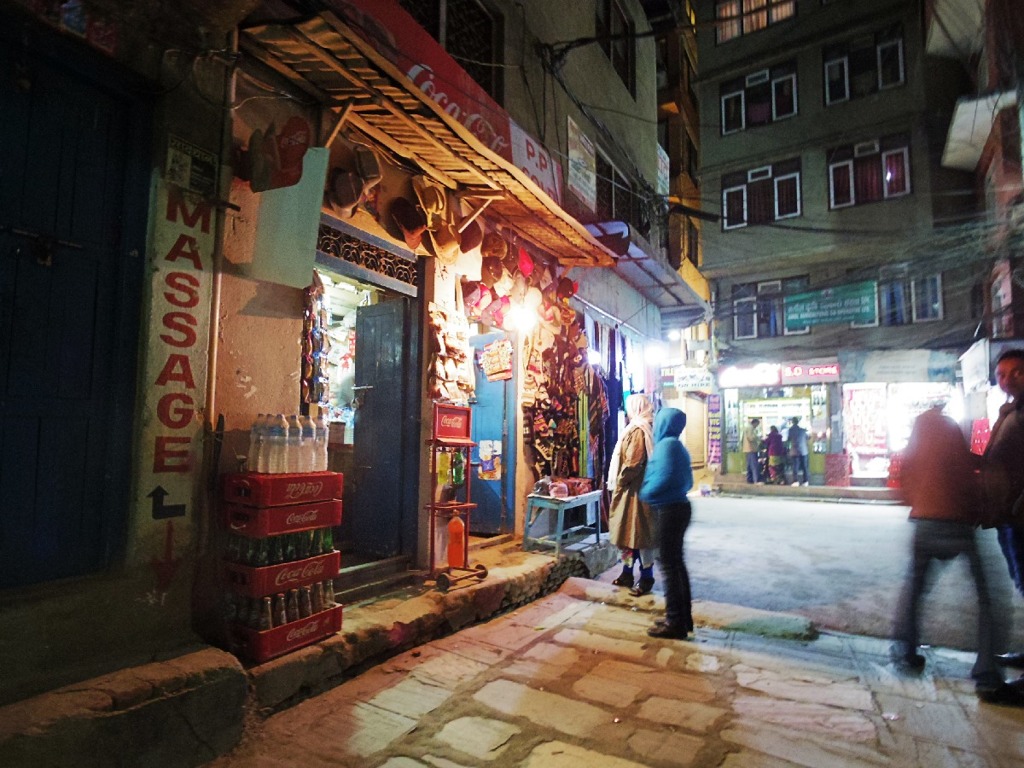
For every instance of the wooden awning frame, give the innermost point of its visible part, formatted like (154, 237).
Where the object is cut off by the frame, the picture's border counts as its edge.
(360, 87)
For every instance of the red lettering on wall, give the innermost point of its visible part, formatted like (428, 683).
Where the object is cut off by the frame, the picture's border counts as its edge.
(167, 458)
(186, 286)
(182, 322)
(175, 410)
(176, 205)
(177, 368)
(185, 248)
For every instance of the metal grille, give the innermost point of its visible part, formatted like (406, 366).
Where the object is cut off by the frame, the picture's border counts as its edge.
(470, 40)
(355, 251)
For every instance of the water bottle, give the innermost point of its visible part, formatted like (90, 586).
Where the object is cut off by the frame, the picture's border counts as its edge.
(255, 442)
(309, 445)
(276, 441)
(322, 438)
(294, 444)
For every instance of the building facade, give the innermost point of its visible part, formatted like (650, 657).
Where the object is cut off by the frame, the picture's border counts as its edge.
(844, 282)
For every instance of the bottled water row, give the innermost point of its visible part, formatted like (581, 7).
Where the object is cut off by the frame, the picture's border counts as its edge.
(280, 444)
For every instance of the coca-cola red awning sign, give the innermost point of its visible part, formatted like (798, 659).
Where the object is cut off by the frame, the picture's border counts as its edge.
(452, 423)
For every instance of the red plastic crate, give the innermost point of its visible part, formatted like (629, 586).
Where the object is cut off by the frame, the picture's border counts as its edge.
(261, 490)
(257, 522)
(262, 646)
(271, 579)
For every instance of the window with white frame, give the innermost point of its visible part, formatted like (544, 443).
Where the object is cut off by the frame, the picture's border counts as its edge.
(903, 299)
(735, 18)
(864, 66)
(759, 308)
(869, 171)
(761, 195)
(759, 98)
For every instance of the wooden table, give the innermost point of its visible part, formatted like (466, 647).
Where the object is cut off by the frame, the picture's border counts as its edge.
(537, 505)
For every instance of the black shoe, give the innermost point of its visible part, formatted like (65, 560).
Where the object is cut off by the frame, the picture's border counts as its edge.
(1015, 660)
(625, 579)
(1007, 695)
(907, 662)
(669, 631)
(645, 585)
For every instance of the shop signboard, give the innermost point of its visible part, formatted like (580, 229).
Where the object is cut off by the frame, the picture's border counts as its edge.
(715, 430)
(759, 375)
(582, 166)
(897, 365)
(852, 303)
(974, 366)
(452, 423)
(810, 373)
(664, 165)
(689, 378)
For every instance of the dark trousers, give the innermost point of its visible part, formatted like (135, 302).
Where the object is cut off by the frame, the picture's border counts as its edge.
(800, 469)
(753, 470)
(944, 540)
(1011, 542)
(673, 520)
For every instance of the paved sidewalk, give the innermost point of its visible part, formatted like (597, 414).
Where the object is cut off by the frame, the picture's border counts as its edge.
(573, 680)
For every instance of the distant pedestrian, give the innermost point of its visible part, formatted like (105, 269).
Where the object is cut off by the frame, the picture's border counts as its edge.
(938, 480)
(1004, 474)
(631, 524)
(751, 445)
(776, 450)
(668, 479)
(798, 451)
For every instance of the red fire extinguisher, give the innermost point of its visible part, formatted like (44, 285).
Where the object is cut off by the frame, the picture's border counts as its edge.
(456, 542)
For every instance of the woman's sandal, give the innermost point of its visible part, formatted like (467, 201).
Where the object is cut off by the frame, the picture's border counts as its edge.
(644, 586)
(624, 579)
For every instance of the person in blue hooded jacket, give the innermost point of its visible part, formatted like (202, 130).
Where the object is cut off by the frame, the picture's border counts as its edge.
(667, 480)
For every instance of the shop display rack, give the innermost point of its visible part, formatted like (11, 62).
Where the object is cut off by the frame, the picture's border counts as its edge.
(279, 560)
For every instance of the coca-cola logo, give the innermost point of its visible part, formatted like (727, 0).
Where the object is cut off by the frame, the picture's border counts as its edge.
(452, 421)
(304, 631)
(303, 518)
(305, 571)
(303, 490)
(423, 76)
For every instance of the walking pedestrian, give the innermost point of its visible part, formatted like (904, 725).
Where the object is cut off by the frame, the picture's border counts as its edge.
(1003, 474)
(798, 451)
(938, 480)
(751, 445)
(668, 479)
(776, 449)
(631, 524)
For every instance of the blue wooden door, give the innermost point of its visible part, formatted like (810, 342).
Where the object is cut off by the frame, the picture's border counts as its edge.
(69, 315)
(493, 420)
(380, 510)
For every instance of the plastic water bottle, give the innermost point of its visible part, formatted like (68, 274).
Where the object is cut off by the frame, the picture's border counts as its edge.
(294, 444)
(322, 438)
(309, 445)
(276, 441)
(255, 442)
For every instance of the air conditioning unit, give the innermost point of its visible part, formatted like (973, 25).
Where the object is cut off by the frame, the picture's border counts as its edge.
(865, 148)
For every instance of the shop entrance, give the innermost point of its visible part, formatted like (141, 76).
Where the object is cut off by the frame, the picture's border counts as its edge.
(72, 208)
(372, 413)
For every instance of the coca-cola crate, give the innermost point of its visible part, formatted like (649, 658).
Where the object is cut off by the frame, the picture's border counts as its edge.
(262, 646)
(256, 522)
(255, 489)
(271, 579)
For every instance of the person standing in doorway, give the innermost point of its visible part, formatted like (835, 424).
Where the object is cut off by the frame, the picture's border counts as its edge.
(798, 451)
(631, 524)
(751, 445)
(668, 479)
(1003, 473)
(938, 480)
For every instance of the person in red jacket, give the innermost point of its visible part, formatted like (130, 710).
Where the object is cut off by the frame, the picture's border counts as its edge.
(939, 483)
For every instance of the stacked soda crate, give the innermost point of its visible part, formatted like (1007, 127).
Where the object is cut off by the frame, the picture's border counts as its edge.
(280, 561)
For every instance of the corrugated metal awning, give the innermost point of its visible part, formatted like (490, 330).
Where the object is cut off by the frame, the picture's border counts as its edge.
(335, 65)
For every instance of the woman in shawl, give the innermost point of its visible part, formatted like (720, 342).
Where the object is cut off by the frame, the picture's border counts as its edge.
(631, 526)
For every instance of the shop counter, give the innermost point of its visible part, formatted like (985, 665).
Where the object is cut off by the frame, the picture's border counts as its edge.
(537, 505)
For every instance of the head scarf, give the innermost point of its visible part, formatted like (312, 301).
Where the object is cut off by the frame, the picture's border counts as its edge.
(640, 413)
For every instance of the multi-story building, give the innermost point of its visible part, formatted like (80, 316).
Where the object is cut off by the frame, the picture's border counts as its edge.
(845, 284)
(986, 41)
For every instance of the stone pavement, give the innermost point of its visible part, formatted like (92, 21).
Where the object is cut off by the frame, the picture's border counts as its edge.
(573, 680)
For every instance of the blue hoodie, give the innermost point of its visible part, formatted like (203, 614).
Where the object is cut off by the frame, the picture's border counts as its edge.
(669, 475)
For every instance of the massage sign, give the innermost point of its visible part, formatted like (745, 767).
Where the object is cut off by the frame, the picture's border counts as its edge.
(174, 375)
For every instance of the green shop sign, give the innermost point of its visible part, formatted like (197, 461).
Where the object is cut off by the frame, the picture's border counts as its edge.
(853, 303)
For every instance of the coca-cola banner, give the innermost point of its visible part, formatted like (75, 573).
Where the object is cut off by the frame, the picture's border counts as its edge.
(396, 35)
(452, 422)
